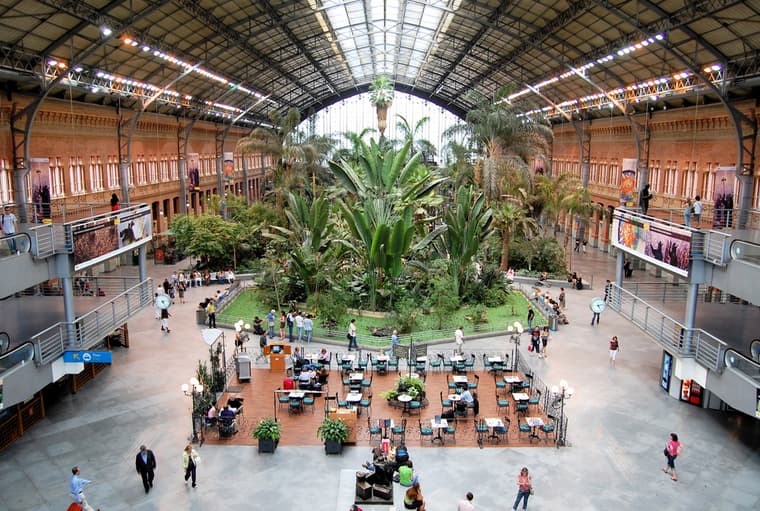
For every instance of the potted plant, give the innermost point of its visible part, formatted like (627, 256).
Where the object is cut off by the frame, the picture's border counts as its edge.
(333, 432)
(267, 432)
(381, 96)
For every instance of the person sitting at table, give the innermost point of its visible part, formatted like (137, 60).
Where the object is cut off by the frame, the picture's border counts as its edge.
(406, 475)
(227, 417)
(413, 498)
(235, 402)
(466, 400)
(322, 374)
(324, 357)
(298, 360)
(304, 380)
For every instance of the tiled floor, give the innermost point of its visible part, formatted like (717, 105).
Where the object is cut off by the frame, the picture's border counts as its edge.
(619, 420)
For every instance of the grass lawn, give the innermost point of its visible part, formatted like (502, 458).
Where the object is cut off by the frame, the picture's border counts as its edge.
(246, 306)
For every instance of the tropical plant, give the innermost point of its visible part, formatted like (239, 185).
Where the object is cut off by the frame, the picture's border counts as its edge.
(467, 226)
(513, 221)
(267, 429)
(334, 430)
(411, 134)
(443, 302)
(381, 96)
(405, 314)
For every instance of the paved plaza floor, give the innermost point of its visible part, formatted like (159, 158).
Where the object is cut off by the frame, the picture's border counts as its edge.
(619, 421)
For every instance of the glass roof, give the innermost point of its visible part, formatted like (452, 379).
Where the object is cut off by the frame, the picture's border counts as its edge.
(383, 37)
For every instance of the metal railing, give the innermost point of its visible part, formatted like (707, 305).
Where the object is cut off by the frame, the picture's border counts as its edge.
(15, 244)
(17, 356)
(743, 365)
(90, 329)
(711, 218)
(63, 212)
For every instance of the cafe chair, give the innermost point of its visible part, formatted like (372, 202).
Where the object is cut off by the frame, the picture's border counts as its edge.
(500, 384)
(533, 401)
(294, 405)
(481, 430)
(425, 432)
(446, 403)
(308, 400)
(524, 428)
(502, 432)
(399, 431)
(528, 382)
(473, 385)
(342, 403)
(435, 363)
(486, 364)
(226, 427)
(368, 383)
(282, 398)
(469, 363)
(366, 403)
(501, 403)
(450, 431)
(363, 363)
(374, 428)
(548, 429)
(522, 409)
(240, 415)
(393, 363)
(382, 368)
(330, 403)
(420, 368)
(450, 384)
(414, 407)
(447, 364)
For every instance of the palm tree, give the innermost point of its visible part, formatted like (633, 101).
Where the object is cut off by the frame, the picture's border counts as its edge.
(381, 96)
(513, 221)
(507, 140)
(411, 134)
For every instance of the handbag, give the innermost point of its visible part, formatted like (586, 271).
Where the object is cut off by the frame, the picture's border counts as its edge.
(530, 347)
(348, 336)
(531, 491)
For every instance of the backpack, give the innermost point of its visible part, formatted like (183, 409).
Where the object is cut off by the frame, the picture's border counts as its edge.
(288, 384)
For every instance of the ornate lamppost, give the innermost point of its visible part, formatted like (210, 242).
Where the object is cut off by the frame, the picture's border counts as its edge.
(194, 390)
(515, 331)
(561, 393)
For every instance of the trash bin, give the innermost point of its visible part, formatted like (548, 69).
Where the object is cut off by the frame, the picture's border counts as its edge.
(243, 367)
(201, 316)
(553, 320)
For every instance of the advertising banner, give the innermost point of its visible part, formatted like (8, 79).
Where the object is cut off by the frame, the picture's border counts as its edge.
(628, 181)
(40, 173)
(659, 243)
(723, 197)
(228, 167)
(106, 236)
(193, 172)
(667, 368)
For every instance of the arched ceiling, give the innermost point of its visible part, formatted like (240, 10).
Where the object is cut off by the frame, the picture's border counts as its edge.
(238, 60)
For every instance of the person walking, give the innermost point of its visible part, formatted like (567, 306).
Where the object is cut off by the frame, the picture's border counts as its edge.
(190, 462)
(8, 227)
(545, 337)
(672, 450)
(466, 503)
(459, 339)
(165, 320)
(270, 323)
(531, 315)
(535, 341)
(308, 327)
(76, 489)
(145, 464)
(524, 488)
(687, 211)
(299, 325)
(352, 336)
(211, 312)
(614, 347)
(644, 197)
(561, 298)
(697, 210)
(394, 342)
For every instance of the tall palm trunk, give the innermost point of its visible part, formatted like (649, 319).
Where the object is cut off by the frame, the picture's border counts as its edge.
(504, 249)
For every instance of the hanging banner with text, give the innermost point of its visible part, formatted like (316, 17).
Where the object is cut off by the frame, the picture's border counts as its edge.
(659, 243)
(106, 236)
(628, 182)
(228, 167)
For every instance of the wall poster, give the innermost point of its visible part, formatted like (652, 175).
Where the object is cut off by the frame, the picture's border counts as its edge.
(628, 182)
(228, 167)
(665, 245)
(40, 173)
(723, 197)
(667, 368)
(193, 172)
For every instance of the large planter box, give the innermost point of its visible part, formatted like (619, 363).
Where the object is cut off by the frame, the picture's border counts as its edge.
(333, 447)
(267, 445)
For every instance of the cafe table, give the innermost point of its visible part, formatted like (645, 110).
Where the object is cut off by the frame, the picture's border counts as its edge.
(382, 358)
(495, 360)
(460, 380)
(354, 377)
(520, 396)
(404, 399)
(512, 379)
(438, 424)
(494, 423)
(534, 422)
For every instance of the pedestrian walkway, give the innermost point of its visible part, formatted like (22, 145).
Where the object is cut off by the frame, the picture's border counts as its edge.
(619, 420)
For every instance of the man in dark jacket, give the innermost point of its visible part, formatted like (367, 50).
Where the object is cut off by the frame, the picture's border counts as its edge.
(145, 464)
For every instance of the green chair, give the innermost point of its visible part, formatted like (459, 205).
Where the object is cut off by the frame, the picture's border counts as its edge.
(399, 431)
(524, 428)
(502, 432)
(501, 404)
(282, 398)
(450, 431)
(309, 401)
(435, 363)
(500, 384)
(364, 363)
(481, 430)
(469, 364)
(415, 407)
(473, 385)
(368, 383)
(447, 364)
(446, 403)
(535, 400)
(374, 428)
(365, 403)
(425, 432)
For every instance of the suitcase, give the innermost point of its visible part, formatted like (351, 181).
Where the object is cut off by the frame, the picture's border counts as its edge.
(74, 507)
